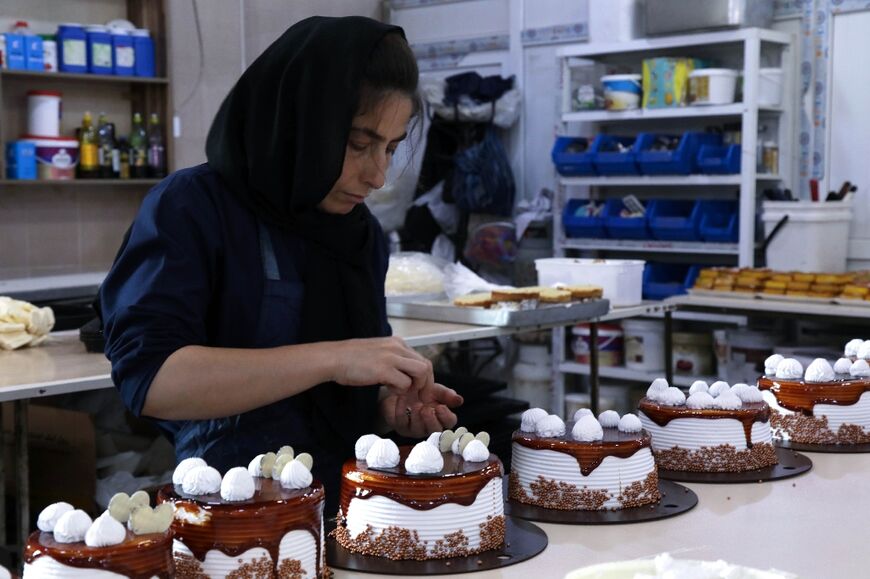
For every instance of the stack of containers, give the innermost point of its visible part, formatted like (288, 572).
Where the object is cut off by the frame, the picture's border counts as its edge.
(56, 156)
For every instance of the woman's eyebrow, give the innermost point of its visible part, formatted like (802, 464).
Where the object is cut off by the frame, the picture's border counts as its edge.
(377, 136)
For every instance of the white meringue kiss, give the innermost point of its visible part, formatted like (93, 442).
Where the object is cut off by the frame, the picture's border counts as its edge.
(749, 394)
(771, 363)
(860, 369)
(658, 387)
(698, 386)
(237, 485)
(475, 451)
(201, 480)
(630, 423)
(789, 369)
(851, 349)
(383, 454)
(105, 532)
(550, 426)
(296, 476)
(184, 467)
(728, 401)
(363, 444)
(424, 458)
(609, 419)
(581, 413)
(530, 419)
(72, 526)
(842, 366)
(673, 396)
(587, 429)
(819, 370)
(718, 387)
(864, 350)
(699, 400)
(435, 439)
(255, 469)
(50, 514)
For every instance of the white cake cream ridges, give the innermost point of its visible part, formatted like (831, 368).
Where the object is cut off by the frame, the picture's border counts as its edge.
(263, 520)
(589, 464)
(824, 404)
(664, 566)
(717, 428)
(440, 498)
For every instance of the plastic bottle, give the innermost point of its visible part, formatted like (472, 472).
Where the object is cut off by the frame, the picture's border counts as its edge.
(105, 144)
(156, 150)
(89, 166)
(138, 149)
(123, 159)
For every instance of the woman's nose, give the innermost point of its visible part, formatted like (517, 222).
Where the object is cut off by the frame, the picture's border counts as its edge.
(375, 175)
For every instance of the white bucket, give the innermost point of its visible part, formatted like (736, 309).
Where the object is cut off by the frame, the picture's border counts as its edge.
(814, 239)
(621, 279)
(644, 345)
(622, 92)
(531, 382)
(43, 113)
(770, 87)
(712, 86)
(610, 344)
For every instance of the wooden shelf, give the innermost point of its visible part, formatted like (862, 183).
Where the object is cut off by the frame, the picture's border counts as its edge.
(78, 182)
(31, 75)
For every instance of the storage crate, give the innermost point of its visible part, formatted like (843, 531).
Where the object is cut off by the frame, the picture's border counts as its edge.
(679, 161)
(674, 220)
(719, 221)
(624, 227)
(663, 280)
(581, 226)
(572, 157)
(607, 159)
(719, 160)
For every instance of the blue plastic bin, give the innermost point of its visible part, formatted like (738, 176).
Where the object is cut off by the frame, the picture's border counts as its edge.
(123, 56)
(663, 280)
(99, 50)
(572, 157)
(143, 48)
(719, 160)
(33, 53)
(624, 227)
(674, 220)
(607, 160)
(680, 161)
(577, 226)
(72, 50)
(719, 221)
(16, 54)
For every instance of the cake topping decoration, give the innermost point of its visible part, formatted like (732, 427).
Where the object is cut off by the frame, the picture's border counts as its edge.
(530, 419)
(698, 386)
(72, 526)
(267, 463)
(445, 442)
(237, 485)
(860, 369)
(551, 426)
(748, 394)
(383, 454)
(121, 505)
(851, 349)
(475, 451)
(424, 458)
(581, 413)
(699, 400)
(296, 476)
(819, 370)
(461, 443)
(286, 450)
(771, 363)
(609, 419)
(789, 369)
(201, 480)
(587, 429)
(50, 514)
(718, 387)
(434, 439)
(728, 401)
(629, 423)
(658, 387)
(306, 459)
(842, 366)
(280, 462)
(254, 466)
(483, 437)
(105, 531)
(673, 396)
(460, 431)
(144, 520)
(864, 350)
(363, 444)
(183, 467)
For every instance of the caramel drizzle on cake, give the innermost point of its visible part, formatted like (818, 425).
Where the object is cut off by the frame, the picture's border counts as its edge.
(801, 396)
(589, 455)
(138, 557)
(263, 523)
(748, 414)
(458, 482)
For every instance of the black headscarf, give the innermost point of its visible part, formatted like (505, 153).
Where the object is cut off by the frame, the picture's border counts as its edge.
(278, 141)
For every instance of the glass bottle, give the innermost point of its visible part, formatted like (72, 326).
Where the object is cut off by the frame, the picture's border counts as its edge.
(89, 165)
(105, 144)
(138, 149)
(156, 150)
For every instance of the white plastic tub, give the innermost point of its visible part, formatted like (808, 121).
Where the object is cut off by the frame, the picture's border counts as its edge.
(644, 345)
(814, 239)
(712, 86)
(622, 92)
(770, 87)
(621, 279)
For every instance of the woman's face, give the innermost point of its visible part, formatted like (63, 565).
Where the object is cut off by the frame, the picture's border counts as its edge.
(373, 139)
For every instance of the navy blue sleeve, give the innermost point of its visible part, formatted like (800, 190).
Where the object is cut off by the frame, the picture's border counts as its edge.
(156, 297)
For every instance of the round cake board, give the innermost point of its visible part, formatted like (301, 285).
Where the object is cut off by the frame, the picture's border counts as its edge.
(676, 500)
(522, 541)
(790, 464)
(831, 448)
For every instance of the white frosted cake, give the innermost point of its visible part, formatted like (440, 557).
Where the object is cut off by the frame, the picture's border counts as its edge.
(442, 498)
(589, 464)
(718, 428)
(666, 567)
(265, 520)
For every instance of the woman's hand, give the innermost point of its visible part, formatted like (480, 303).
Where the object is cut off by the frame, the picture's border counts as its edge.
(386, 361)
(417, 413)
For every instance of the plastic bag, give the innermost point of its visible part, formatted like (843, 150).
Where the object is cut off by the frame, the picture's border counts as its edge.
(414, 273)
(483, 181)
(460, 281)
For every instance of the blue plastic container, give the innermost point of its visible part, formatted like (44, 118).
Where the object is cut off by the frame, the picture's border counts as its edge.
(663, 280)
(72, 48)
(719, 160)
(33, 53)
(680, 161)
(123, 55)
(572, 156)
(143, 48)
(719, 221)
(99, 50)
(674, 220)
(608, 160)
(623, 227)
(20, 160)
(16, 57)
(582, 226)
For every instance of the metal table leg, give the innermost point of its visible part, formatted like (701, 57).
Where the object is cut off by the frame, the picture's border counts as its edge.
(593, 367)
(669, 347)
(21, 463)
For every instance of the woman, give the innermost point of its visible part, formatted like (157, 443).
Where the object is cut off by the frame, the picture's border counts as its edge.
(246, 309)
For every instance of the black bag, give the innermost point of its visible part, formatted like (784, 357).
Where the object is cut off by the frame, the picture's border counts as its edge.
(482, 179)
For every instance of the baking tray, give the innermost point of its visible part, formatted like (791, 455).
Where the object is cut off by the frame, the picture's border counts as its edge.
(442, 311)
